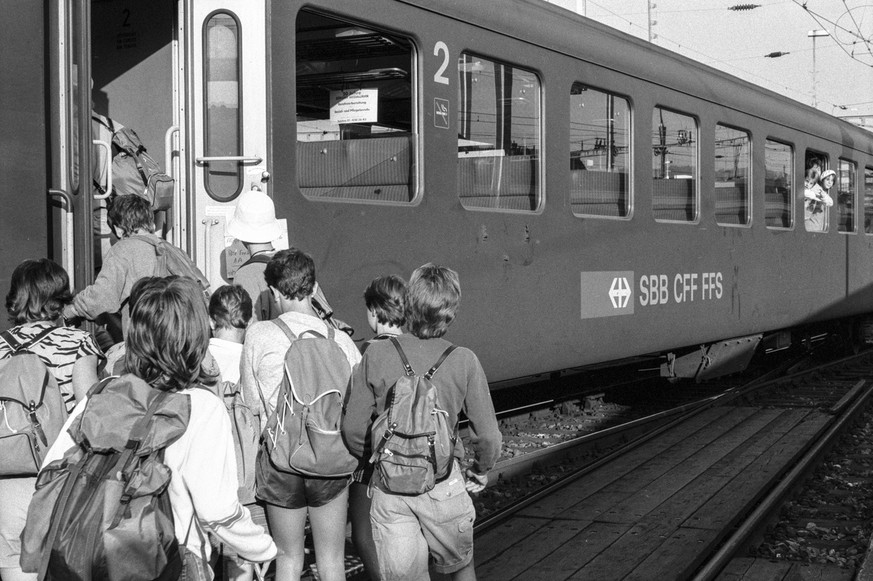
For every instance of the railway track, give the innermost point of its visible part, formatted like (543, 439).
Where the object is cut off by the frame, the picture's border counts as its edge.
(839, 388)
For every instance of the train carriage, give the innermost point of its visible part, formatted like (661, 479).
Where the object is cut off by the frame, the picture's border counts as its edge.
(601, 197)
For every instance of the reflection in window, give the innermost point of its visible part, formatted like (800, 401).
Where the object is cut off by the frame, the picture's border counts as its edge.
(355, 134)
(778, 184)
(674, 166)
(844, 196)
(221, 69)
(868, 200)
(733, 159)
(599, 153)
(498, 135)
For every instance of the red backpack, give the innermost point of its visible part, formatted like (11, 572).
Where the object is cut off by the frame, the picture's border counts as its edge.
(303, 434)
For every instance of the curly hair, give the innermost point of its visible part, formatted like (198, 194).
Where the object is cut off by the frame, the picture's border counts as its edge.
(292, 272)
(168, 335)
(39, 291)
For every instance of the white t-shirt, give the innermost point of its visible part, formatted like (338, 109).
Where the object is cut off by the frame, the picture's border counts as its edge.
(227, 355)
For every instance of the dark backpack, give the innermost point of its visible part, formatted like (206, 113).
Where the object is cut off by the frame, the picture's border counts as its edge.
(303, 433)
(134, 172)
(103, 511)
(32, 411)
(172, 261)
(413, 442)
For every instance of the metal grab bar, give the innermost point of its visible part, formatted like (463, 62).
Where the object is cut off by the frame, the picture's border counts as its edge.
(168, 150)
(67, 250)
(242, 158)
(108, 149)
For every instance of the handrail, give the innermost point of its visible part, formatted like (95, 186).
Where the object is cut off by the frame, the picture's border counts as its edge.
(108, 149)
(68, 250)
(168, 150)
(242, 158)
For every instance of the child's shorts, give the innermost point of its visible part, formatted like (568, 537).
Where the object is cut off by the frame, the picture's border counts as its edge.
(289, 490)
(407, 528)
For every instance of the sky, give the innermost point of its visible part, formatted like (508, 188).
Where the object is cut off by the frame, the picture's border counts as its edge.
(736, 41)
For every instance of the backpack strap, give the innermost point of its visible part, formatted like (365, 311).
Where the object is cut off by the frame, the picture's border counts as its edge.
(17, 345)
(409, 370)
(285, 328)
(261, 258)
(439, 362)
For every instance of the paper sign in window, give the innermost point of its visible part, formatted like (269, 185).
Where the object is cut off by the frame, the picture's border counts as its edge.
(354, 106)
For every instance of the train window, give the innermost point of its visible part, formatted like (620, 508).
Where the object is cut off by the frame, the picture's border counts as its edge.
(816, 201)
(844, 196)
(733, 160)
(599, 153)
(868, 200)
(222, 101)
(355, 135)
(778, 184)
(499, 120)
(674, 166)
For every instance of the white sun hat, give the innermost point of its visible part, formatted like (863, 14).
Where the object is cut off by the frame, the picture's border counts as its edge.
(254, 219)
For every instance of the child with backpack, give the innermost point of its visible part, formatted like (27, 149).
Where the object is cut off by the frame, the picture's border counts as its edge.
(383, 298)
(230, 312)
(34, 353)
(420, 500)
(137, 254)
(295, 370)
(188, 460)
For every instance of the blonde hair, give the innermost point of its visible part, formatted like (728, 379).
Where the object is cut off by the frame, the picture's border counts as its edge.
(432, 299)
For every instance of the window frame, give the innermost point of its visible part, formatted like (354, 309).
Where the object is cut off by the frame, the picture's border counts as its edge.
(696, 198)
(749, 176)
(316, 193)
(629, 165)
(792, 173)
(539, 166)
(854, 173)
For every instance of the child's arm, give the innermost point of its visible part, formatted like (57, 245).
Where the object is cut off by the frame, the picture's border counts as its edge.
(485, 436)
(359, 411)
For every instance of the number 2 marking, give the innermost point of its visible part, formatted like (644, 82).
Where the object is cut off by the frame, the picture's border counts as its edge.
(439, 77)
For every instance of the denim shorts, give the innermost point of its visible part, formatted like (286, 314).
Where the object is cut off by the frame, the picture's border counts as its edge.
(438, 522)
(289, 490)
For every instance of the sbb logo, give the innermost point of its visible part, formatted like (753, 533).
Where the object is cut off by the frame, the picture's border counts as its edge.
(619, 292)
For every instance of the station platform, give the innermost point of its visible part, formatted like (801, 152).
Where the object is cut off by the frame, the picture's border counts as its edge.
(656, 512)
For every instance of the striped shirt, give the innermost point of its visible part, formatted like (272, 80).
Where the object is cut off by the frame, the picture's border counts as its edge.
(59, 351)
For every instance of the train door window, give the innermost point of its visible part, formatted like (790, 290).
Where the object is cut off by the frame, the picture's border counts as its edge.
(844, 196)
(816, 202)
(778, 184)
(868, 200)
(733, 160)
(499, 120)
(599, 153)
(223, 179)
(356, 137)
(674, 166)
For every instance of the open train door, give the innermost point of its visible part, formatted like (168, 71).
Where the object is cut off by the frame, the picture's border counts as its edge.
(68, 109)
(226, 132)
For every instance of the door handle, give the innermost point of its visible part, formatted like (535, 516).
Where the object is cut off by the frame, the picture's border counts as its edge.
(240, 158)
(108, 149)
(67, 250)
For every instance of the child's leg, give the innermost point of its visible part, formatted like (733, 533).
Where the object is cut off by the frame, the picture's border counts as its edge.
(362, 532)
(287, 525)
(400, 545)
(329, 536)
(468, 573)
